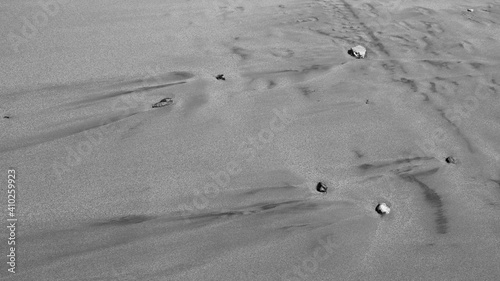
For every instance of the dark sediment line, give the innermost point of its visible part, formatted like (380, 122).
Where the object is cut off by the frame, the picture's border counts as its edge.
(123, 92)
(369, 32)
(467, 142)
(269, 189)
(65, 132)
(263, 73)
(469, 146)
(243, 53)
(497, 182)
(124, 221)
(426, 173)
(426, 96)
(124, 230)
(290, 205)
(411, 83)
(317, 67)
(433, 199)
(433, 87)
(367, 166)
(92, 85)
(437, 63)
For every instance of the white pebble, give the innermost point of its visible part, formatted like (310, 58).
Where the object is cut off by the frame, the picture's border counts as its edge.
(358, 52)
(382, 209)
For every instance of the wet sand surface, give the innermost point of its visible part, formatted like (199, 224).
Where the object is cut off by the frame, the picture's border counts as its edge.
(221, 184)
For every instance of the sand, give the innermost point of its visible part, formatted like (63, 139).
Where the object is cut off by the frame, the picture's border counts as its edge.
(221, 184)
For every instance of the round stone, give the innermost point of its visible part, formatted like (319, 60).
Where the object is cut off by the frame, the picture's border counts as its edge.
(382, 209)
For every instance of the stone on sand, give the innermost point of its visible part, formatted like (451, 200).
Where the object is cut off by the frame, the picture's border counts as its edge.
(321, 187)
(382, 209)
(450, 160)
(358, 52)
(163, 102)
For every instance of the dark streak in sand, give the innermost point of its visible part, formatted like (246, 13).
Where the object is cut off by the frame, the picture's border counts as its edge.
(316, 67)
(124, 92)
(426, 173)
(435, 201)
(411, 83)
(476, 65)
(497, 182)
(320, 32)
(375, 40)
(265, 209)
(437, 63)
(443, 114)
(358, 154)
(306, 91)
(433, 87)
(93, 85)
(469, 146)
(124, 221)
(268, 189)
(261, 73)
(65, 132)
(124, 230)
(243, 53)
(293, 226)
(367, 166)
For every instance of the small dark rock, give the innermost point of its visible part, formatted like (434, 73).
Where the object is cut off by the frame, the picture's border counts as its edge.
(220, 77)
(382, 209)
(6, 117)
(321, 187)
(163, 102)
(450, 160)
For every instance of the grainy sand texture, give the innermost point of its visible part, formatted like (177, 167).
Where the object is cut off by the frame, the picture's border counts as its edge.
(262, 102)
